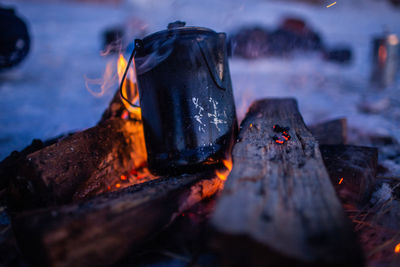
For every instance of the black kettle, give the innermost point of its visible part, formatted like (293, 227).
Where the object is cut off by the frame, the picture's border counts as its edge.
(186, 97)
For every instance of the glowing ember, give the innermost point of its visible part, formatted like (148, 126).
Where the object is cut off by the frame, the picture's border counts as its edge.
(118, 185)
(228, 167)
(397, 248)
(341, 180)
(125, 115)
(284, 134)
(334, 3)
(123, 177)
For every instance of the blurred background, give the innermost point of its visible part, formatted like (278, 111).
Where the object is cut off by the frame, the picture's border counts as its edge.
(338, 61)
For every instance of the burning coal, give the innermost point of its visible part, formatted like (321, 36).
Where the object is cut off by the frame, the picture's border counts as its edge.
(283, 134)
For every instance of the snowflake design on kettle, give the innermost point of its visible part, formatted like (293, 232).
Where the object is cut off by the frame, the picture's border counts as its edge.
(199, 116)
(215, 119)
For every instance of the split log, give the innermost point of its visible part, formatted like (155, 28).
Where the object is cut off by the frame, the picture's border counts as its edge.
(278, 205)
(80, 165)
(352, 170)
(100, 231)
(331, 132)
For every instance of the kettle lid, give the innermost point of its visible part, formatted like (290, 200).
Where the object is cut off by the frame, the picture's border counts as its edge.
(177, 29)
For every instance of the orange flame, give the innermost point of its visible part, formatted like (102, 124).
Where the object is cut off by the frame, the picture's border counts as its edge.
(111, 79)
(397, 248)
(129, 88)
(341, 180)
(223, 175)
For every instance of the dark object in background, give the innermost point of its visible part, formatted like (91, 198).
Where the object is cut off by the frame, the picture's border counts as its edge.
(294, 34)
(395, 3)
(385, 60)
(112, 40)
(185, 90)
(250, 42)
(14, 39)
(339, 54)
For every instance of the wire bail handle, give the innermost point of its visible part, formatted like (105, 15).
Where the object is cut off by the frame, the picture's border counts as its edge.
(138, 45)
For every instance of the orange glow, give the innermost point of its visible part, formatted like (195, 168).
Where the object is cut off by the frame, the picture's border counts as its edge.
(125, 115)
(111, 79)
(341, 180)
(382, 54)
(129, 89)
(228, 164)
(279, 141)
(397, 248)
(334, 3)
(392, 39)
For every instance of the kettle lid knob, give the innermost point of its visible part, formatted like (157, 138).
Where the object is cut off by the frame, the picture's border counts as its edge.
(176, 24)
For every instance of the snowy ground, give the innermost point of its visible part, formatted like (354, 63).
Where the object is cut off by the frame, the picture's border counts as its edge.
(46, 95)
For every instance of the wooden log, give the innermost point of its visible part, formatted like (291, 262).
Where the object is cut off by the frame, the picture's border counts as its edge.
(114, 109)
(117, 109)
(352, 170)
(80, 165)
(331, 132)
(100, 231)
(278, 205)
(9, 166)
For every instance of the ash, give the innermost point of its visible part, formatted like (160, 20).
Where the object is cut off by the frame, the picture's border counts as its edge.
(383, 194)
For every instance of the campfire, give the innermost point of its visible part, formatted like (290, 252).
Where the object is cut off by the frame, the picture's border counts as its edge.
(176, 174)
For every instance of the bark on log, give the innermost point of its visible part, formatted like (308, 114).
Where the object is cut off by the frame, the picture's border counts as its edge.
(278, 205)
(10, 165)
(102, 230)
(332, 132)
(81, 164)
(352, 170)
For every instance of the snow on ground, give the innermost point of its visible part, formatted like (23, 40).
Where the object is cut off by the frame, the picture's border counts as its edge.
(46, 95)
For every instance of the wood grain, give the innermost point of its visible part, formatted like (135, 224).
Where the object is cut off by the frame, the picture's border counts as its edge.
(278, 199)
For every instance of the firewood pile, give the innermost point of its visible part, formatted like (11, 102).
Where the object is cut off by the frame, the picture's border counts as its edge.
(87, 199)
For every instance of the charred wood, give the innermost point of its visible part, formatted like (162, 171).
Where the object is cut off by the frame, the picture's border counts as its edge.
(106, 228)
(77, 166)
(352, 170)
(114, 109)
(331, 132)
(278, 205)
